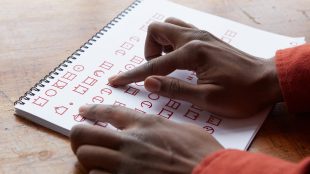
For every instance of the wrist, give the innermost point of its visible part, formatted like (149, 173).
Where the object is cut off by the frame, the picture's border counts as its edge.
(272, 83)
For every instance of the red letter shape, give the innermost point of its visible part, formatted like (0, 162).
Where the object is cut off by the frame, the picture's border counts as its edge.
(213, 120)
(196, 107)
(106, 65)
(78, 118)
(97, 99)
(191, 114)
(153, 96)
(60, 84)
(209, 129)
(131, 90)
(129, 67)
(147, 104)
(137, 60)
(120, 53)
(80, 89)
(158, 16)
(117, 103)
(98, 73)
(106, 90)
(127, 45)
(173, 104)
(50, 92)
(78, 68)
(69, 76)
(230, 33)
(40, 101)
(134, 39)
(90, 81)
(165, 113)
(60, 110)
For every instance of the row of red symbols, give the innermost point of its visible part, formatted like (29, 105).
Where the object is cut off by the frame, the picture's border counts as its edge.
(99, 98)
(90, 81)
(157, 17)
(127, 45)
(212, 121)
(60, 84)
(170, 107)
(228, 36)
(84, 86)
(193, 112)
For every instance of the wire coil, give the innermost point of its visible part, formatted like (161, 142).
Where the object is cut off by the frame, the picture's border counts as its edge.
(51, 75)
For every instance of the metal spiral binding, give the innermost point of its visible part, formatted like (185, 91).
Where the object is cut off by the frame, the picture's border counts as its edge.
(75, 55)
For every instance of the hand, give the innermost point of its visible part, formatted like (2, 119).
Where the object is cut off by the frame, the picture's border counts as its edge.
(230, 82)
(145, 144)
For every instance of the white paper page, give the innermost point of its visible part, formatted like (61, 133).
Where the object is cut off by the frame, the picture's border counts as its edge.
(121, 49)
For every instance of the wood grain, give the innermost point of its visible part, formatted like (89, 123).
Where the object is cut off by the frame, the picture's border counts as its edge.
(37, 35)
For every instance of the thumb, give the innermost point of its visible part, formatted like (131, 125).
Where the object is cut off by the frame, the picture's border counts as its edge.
(172, 88)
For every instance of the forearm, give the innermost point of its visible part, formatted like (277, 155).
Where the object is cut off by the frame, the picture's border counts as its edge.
(293, 68)
(235, 161)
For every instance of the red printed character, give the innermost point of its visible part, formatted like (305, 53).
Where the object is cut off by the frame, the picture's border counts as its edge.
(78, 68)
(165, 113)
(214, 120)
(132, 91)
(80, 89)
(50, 92)
(40, 101)
(173, 104)
(137, 60)
(191, 114)
(106, 65)
(60, 110)
(97, 99)
(90, 81)
(78, 118)
(60, 84)
(158, 16)
(209, 129)
(69, 76)
(117, 103)
(127, 45)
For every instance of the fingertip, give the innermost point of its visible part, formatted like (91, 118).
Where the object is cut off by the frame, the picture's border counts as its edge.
(112, 79)
(83, 110)
(152, 84)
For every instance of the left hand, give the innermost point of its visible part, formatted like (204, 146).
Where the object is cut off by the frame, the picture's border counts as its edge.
(145, 144)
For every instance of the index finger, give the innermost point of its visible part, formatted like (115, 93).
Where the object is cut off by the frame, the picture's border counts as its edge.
(120, 117)
(162, 65)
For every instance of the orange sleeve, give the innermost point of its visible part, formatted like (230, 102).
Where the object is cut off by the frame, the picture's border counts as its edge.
(235, 161)
(293, 67)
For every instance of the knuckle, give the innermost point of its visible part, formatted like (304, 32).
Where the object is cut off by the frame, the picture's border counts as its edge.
(151, 67)
(198, 50)
(174, 88)
(153, 27)
(196, 45)
(205, 35)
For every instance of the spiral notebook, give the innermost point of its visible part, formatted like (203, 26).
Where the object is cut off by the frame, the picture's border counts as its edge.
(118, 47)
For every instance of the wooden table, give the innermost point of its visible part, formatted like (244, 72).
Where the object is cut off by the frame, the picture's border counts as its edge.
(37, 35)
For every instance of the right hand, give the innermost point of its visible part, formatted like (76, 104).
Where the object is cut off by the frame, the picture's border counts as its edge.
(230, 82)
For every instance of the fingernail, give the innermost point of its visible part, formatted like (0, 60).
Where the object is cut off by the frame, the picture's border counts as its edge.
(112, 78)
(153, 84)
(84, 109)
